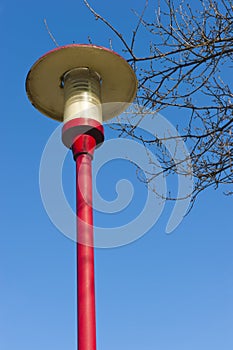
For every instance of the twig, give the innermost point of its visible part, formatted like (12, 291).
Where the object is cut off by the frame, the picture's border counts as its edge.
(120, 36)
(49, 32)
(138, 24)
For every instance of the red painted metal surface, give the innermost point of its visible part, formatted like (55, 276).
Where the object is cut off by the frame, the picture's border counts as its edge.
(77, 45)
(78, 126)
(83, 149)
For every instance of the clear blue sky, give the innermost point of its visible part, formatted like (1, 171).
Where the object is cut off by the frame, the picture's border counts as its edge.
(162, 291)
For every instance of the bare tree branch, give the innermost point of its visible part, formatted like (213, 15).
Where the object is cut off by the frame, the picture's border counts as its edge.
(184, 68)
(50, 33)
(115, 31)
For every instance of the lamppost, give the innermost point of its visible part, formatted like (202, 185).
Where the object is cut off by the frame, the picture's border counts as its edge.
(82, 86)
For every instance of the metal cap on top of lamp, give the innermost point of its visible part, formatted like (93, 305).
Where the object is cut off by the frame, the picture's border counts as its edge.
(82, 86)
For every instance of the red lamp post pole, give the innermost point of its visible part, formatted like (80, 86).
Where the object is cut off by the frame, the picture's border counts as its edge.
(83, 149)
(67, 84)
(82, 136)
